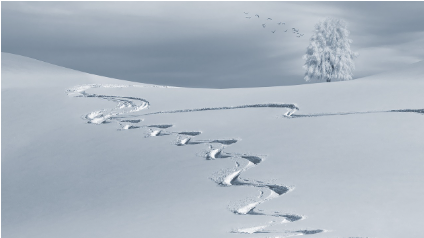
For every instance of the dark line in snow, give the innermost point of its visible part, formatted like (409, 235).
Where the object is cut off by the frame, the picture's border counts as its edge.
(271, 105)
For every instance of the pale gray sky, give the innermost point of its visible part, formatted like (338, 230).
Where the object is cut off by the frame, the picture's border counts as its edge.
(206, 44)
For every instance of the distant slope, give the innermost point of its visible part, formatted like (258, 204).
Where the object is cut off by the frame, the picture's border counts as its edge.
(413, 71)
(42, 74)
(16, 64)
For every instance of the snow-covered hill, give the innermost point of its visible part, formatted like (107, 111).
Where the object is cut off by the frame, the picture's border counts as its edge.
(89, 156)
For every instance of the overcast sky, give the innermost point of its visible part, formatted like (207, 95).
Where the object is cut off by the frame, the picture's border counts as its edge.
(206, 44)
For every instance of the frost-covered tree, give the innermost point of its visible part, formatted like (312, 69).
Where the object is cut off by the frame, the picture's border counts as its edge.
(328, 56)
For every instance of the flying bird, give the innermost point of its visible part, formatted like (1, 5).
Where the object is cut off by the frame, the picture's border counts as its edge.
(263, 25)
(246, 13)
(285, 31)
(248, 17)
(257, 15)
(273, 31)
(269, 18)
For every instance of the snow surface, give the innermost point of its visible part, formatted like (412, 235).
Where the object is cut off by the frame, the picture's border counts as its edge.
(343, 159)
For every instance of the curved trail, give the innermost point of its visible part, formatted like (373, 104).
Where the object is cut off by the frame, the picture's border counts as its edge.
(126, 105)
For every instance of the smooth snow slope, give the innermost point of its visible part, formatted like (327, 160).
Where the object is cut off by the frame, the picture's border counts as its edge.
(83, 157)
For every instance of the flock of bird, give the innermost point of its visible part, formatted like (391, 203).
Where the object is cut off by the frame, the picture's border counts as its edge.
(264, 25)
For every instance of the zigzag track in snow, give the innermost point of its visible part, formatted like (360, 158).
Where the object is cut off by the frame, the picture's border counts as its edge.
(126, 105)
(234, 179)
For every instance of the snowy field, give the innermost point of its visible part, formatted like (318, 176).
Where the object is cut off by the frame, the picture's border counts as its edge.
(89, 156)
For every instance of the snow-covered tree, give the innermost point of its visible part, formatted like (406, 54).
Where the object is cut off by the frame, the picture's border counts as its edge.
(328, 56)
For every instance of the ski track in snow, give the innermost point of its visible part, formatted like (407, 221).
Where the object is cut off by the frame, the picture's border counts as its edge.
(292, 115)
(124, 105)
(127, 105)
(292, 108)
